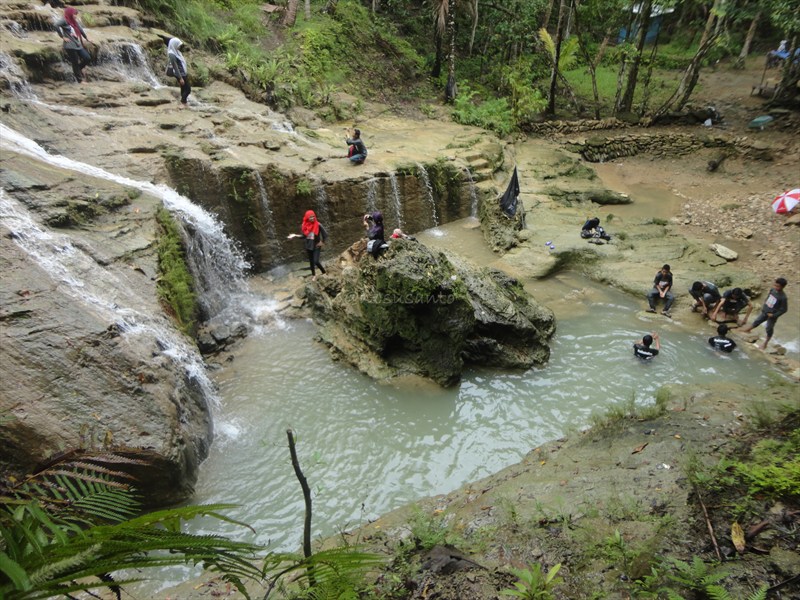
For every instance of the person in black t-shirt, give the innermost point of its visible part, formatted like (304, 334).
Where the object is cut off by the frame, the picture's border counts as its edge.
(644, 348)
(705, 294)
(662, 286)
(732, 303)
(721, 341)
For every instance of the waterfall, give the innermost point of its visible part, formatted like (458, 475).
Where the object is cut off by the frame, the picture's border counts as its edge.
(323, 214)
(269, 219)
(128, 62)
(372, 195)
(423, 173)
(99, 289)
(473, 194)
(216, 262)
(398, 207)
(15, 77)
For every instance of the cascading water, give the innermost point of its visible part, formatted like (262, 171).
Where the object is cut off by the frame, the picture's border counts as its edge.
(321, 207)
(127, 62)
(372, 195)
(269, 218)
(14, 76)
(423, 173)
(100, 290)
(473, 194)
(216, 262)
(398, 206)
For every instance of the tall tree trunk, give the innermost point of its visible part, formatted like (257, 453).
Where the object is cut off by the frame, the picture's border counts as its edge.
(551, 101)
(641, 36)
(590, 64)
(474, 25)
(436, 70)
(308, 10)
(748, 40)
(290, 17)
(451, 91)
(649, 75)
(375, 4)
(689, 79)
(710, 20)
(548, 12)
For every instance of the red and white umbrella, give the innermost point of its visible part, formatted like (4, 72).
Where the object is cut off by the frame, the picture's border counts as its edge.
(786, 201)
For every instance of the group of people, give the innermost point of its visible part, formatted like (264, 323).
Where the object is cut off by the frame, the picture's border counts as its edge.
(74, 40)
(315, 236)
(720, 308)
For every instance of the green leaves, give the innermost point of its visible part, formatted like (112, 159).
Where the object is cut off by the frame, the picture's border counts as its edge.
(534, 584)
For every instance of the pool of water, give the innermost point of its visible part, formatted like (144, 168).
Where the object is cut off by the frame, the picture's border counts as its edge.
(368, 448)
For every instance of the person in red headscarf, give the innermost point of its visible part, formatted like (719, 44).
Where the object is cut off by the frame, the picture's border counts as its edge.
(72, 34)
(315, 236)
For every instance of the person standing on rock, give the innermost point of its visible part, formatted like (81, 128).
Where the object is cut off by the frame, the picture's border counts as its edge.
(72, 34)
(732, 303)
(706, 295)
(644, 348)
(774, 306)
(662, 286)
(178, 69)
(356, 151)
(315, 236)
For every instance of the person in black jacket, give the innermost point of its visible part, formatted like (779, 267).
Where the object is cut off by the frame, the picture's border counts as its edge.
(177, 65)
(356, 151)
(662, 288)
(644, 348)
(71, 32)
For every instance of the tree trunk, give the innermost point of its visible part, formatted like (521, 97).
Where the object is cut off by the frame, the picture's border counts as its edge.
(644, 24)
(748, 40)
(649, 75)
(591, 65)
(308, 10)
(548, 12)
(290, 17)
(688, 80)
(474, 25)
(451, 90)
(551, 101)
(436, 70)
(712, 16)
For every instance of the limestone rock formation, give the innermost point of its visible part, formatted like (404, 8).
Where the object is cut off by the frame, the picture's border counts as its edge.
(414, 311)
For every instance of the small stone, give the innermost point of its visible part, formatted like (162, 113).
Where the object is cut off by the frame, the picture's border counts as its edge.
(724, 252)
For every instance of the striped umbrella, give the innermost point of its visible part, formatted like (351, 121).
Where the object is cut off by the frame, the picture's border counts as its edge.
(786, 201)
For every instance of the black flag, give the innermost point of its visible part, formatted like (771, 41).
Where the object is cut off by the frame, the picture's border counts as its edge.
(508, 201)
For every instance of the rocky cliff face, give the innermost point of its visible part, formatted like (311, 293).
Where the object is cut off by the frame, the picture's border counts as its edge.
(414, 311)
(88, 358)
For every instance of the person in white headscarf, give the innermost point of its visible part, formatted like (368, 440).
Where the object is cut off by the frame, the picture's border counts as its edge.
(177, 68)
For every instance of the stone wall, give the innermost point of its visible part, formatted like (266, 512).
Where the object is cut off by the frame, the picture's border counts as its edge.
(599, 149)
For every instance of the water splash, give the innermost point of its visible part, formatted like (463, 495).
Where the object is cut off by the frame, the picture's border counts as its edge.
(216, 261)
(372, 195)
(128, 62)
(321, 207)
(423, 173)
(11, 73)
(100, 290)
(269, 217)
(398, 207)
(473, 194)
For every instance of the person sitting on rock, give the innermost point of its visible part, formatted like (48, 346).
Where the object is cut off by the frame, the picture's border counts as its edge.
(644, 348)
(592, 230)
(356, 151)
(732, 303)
(662, 286)
(721, 341)
(398, 234)
(376, 242)
(706, 295)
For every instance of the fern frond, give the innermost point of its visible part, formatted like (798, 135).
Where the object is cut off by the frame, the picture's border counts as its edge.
(717, 592)
(547, 42)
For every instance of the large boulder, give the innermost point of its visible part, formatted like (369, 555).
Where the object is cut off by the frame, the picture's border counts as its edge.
(414, 311)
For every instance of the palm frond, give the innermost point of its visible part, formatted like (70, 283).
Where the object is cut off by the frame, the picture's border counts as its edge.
(547, 42)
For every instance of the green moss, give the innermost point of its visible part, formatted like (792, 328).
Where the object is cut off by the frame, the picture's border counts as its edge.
(175, 282)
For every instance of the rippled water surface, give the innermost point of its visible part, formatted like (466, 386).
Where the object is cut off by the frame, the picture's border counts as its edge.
(367, 448)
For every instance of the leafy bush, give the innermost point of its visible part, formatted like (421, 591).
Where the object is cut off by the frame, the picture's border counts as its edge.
(494, 114)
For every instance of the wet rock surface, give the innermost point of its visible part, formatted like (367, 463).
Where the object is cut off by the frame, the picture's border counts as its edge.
(414, 311)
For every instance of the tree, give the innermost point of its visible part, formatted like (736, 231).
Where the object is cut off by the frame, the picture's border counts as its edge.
(642, 24)
(290, 18)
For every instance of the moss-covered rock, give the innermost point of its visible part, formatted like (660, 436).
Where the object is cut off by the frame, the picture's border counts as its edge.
(414, 311)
